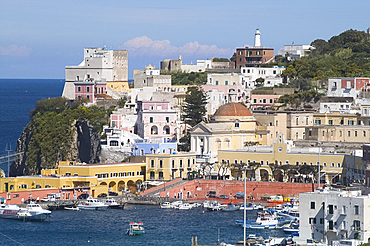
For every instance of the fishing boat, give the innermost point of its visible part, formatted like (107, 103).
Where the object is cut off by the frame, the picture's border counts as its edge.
(33, 211)
(93, 204)
(135, 229)
(113, 204)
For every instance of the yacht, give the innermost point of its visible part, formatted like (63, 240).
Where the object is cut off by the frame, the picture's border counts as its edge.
(33, 211)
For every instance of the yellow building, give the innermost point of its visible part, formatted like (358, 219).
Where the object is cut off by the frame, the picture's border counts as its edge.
(275, 163)
(232, 127)
(100, 178)
(170, 166)
(118, 86)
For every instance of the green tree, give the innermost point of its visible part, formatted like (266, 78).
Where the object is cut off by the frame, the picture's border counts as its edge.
(195, 106)
(220, 60)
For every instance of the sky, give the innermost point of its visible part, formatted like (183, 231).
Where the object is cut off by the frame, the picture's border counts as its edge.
(38, 38)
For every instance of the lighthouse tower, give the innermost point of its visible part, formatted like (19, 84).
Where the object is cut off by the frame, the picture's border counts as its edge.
(257, 38)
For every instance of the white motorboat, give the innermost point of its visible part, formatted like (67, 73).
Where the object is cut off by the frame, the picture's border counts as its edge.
(176, 204)
(33, 211)
(230, 207)
(185, 206)
(113, 204)
(265, 220)
(72, 208)
(93, 204)
(215, 206)
(166, 205)
(8, 211)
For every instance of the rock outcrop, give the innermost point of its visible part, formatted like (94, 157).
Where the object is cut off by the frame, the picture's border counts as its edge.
(84, 147)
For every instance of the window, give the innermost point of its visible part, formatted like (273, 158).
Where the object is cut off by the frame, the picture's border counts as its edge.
(189, 163)
(280, 149)
(152, 174)
(312, 221)
(356, 210)
(88, 89)
(254, 100)
(349, 133)
(160, 175)
(271, 100)
(168, 119)
(24, 186)
(312, 205)
(173, 163)
(331, 225)
(180, 163)
(356, 225)
(152, 163)
(237, 124)
(79, 88)
(331, 209)
(351, 122)
(226, 82)
(317, 122)
(160, 163)
(151, 119)
(330, 122)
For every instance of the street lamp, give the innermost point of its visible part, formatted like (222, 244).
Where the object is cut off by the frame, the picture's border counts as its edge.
(245, 203)
(318, 181)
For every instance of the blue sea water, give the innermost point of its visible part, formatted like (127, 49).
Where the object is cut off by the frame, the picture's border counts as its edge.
(17, 98)
(162, 227)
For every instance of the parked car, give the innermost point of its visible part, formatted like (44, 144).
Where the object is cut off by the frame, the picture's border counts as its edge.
(83, 196)
(223, 197)
(211, 194)
(28, 201)
(102, 195)
(112, 193)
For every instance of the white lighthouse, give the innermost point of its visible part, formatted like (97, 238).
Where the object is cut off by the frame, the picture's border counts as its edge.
(257, 38)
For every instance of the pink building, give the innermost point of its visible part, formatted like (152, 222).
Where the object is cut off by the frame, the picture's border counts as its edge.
(156, 119)
(89, 90)
(263, 101)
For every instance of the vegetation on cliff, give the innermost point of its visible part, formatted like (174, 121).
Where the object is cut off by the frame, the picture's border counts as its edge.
(180, 78)
(53, 132)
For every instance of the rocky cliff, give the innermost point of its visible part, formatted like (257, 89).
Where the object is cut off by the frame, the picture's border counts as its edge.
(83, 145)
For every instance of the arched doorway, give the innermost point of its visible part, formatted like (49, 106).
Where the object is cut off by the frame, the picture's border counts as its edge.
(121, 185)
(131, 186)
(112, 186)
(278, 175)
(264, 175)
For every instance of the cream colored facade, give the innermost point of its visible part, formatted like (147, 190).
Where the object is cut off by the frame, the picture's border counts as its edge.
(170, 166)
(101, 178)
(334, 167)
(290, 124)
(118, 86)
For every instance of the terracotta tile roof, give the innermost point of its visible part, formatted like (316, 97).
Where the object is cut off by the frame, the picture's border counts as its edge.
(233, 109)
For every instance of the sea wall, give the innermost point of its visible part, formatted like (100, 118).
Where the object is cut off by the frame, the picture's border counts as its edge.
(199, 188)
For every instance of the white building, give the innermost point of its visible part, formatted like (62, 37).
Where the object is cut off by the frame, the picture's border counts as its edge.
(201, 66)
(272, 76)
(224, 79)
(295, 51)
(334, 217)
(98, 65)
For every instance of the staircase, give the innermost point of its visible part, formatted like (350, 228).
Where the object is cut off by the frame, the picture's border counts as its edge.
(169, 185)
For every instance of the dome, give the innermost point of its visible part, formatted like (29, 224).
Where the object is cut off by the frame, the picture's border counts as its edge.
(233, 109)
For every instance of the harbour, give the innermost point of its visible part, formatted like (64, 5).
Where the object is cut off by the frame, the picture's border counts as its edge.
(108, 227)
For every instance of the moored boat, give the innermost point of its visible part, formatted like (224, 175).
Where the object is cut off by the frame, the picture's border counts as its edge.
(8, 211)
(166, 205)
(135, 229)
(230, 207)
(93, 204)
(34, 212)
(113, 204)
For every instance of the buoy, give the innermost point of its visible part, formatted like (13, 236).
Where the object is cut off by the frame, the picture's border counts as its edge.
(203, 212)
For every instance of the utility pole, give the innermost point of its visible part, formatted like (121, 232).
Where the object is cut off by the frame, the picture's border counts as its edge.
(8, 150)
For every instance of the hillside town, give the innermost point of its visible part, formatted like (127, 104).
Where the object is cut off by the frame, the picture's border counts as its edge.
(316, 152)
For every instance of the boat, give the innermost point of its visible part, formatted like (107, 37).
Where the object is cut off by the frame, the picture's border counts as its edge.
(292, 228)
(176, 204)
(215, 206)
(113, 204)
(230, 207)
(248, 208)
(33, 211)
(185, 206)
(265, 220)
(8, 211)
(93, 204)
(72, 208)
(166, 205)
(135, 229)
